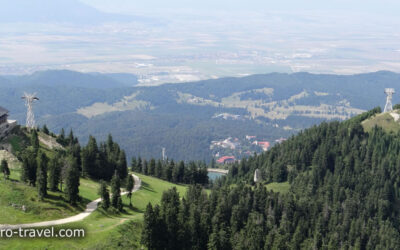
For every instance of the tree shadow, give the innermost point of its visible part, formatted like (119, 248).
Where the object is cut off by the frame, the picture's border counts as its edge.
(125, 211)
(104, 213)
(84, 202)
(59, 201)
(147, 187)
(129, 210)
(137, 210)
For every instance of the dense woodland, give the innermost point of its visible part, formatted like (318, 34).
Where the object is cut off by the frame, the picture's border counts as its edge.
(102, 161)
(191, 173)
(345, 194)
(186, 130)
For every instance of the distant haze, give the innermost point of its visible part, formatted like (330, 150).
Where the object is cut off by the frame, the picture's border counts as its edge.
(180, 41)
(373, 6)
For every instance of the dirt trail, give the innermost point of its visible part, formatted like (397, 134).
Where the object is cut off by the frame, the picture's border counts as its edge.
(89, 209)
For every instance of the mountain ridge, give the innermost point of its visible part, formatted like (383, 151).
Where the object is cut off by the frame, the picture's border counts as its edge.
(69, 78)
(59, 11)
(178, 116)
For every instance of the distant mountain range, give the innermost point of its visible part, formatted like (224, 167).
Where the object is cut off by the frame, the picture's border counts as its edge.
(186, 118)
(58, 11)
(59, 78)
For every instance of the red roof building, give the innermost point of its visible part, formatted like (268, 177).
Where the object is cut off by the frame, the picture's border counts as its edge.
(263, 144)
(226, 159)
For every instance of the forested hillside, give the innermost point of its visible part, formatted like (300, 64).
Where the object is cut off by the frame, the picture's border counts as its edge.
(344, 194)
(186, 118)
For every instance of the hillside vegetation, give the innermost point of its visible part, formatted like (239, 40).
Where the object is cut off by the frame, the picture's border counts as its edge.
(19, 202)
(389, 121)
(344, 194)
(23, 201)
(184, 117)
(105, 230)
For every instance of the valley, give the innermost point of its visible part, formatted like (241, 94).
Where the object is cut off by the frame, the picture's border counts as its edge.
(192, 115)
(296, 167)
(199, 125)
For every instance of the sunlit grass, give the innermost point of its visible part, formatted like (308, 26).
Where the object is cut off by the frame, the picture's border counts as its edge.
(383, 120)
(15, 194)
(102, 226)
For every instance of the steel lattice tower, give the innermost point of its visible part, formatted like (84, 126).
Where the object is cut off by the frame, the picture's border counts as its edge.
(389, 94)
(30, 116)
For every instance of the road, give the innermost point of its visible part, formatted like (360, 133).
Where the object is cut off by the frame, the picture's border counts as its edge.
(218, 170)
(89, 209)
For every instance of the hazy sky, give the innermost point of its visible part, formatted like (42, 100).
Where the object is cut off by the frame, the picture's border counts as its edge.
(197, 39)
(370, 6)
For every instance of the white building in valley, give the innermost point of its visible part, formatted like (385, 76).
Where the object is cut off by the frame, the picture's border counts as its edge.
(5, 125)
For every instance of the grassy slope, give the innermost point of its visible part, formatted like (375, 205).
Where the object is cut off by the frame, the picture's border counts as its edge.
(102, 228)
(384, 120)
(19, 194)
(53, 207)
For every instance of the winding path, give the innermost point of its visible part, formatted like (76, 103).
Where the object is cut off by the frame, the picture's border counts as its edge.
(89, 209)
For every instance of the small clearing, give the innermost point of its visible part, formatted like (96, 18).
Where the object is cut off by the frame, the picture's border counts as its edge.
(125, 104)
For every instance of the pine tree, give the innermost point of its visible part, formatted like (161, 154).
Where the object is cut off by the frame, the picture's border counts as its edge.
(5, 169)
(167, 173)
(170, 210)
(152, 167)
(115, 190)
(25, 169)
(181, 172)
(145, 167)
(129, 188)
(90, 158)
(41, 175)
(30, 167)
(75, 151)
(154, 235)
(105, 196)
(61, 137)
(86, 164)
(134, 165)
(120, 205)
(139, 165)
(175, 174)
(122, 166)
(54, 173)
(72, 180)
(110, 142)
(158, 171)
(70, 139)
(149, 239)
(35, 140)
(45, 130)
